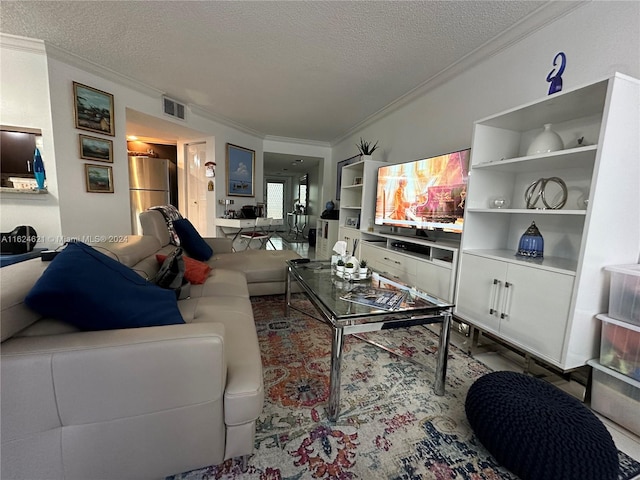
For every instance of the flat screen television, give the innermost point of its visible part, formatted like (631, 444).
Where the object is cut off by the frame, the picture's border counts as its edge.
(426, 194)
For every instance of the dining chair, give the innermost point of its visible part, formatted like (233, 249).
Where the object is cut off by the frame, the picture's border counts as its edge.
(261, 231)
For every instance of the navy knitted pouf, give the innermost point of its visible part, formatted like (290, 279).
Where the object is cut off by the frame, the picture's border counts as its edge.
(539, 432)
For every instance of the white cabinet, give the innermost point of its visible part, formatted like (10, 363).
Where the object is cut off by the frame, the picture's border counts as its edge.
(357, 201)
(326, 238)
(528, 307)
(429, 266)
(599, 224)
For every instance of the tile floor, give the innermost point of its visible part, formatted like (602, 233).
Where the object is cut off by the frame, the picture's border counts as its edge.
(500, 358)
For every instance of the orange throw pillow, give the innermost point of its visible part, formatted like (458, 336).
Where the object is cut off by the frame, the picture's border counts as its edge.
(195, 271)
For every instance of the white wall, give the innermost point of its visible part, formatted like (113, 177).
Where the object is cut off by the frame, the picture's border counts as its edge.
(598, 38)
(25, 70)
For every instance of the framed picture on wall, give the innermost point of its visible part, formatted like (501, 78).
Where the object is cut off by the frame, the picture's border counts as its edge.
(241, 164)
(93, 109)
(99, 178)
(341, 165)
(97, 149)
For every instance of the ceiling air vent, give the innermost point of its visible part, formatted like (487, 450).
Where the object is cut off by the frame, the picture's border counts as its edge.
(173, 108)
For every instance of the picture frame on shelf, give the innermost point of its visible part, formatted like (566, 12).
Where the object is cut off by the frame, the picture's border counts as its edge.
(357, 181)
(351, 222)
(99, 178)
(240, 171)
(93, 109)
(96, 149)
(340, 166)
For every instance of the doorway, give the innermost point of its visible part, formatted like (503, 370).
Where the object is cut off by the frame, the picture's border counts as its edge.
(275, 199)
(196, 208)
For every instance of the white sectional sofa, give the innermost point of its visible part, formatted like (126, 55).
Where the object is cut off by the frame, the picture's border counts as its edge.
(136, 402)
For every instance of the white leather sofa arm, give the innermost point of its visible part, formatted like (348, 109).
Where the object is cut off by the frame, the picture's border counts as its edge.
(99, 387)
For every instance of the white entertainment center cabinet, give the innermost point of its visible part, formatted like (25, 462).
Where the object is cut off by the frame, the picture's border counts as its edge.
(427, 264)
(547, 306)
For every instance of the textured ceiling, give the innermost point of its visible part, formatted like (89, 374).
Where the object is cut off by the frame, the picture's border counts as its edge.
(310, 70)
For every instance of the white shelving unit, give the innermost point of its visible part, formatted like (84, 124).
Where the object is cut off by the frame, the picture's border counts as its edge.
(547, 307)
(357, 201)
(326, 238)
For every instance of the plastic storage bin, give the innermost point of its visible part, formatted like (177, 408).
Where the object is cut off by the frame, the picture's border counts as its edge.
(616, 396)
(624, 297)
(620, 346)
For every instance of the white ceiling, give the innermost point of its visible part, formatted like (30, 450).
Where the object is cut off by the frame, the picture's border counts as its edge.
(312, 70)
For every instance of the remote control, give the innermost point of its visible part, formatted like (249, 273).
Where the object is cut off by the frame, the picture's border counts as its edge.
(300, 260)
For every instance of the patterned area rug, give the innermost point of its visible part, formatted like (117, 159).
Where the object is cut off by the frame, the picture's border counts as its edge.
(391, 425)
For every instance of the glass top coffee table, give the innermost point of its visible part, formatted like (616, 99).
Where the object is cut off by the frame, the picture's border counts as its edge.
(368, 305)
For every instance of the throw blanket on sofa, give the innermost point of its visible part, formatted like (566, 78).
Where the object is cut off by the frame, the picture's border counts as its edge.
(170, 213)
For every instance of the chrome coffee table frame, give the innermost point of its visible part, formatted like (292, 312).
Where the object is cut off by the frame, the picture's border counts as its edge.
(324, 289)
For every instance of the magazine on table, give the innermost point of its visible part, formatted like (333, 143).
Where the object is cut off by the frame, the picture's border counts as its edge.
(376, 297)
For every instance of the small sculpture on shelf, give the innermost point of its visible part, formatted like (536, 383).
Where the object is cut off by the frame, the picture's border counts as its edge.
(538, 191)
(38, 169)
(555, 76)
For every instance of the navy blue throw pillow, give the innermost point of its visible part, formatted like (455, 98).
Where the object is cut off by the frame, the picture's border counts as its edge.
(191, 240)
(91, 291)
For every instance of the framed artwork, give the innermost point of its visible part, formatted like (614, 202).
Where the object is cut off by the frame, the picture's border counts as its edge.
(99, 178)
(352, 222)
(241, 164)
(342, 164)
(93, 109)
(97, 149)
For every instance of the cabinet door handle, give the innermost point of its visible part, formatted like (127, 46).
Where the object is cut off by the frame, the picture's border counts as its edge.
(505, 303)
(494, 296)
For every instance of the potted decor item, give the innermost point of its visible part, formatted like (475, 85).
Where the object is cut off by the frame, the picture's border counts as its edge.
(366, 149)
(349, 270)
(362, 273)
(340, 267)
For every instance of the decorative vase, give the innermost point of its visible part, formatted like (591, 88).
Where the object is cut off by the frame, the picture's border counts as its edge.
(340, 270)
(366, 158)
(531, 243)
(362, 272)
(546, 141)
(38, 169)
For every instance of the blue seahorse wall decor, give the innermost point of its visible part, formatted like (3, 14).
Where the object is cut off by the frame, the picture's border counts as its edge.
(555, 77)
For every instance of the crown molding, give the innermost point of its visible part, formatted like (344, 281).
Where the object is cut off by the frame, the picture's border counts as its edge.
(538, 19)
(298, 141)
(24, 44)
(87, 65)
(197, 110)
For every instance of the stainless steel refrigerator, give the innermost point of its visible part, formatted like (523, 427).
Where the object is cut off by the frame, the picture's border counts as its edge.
(150, 184)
